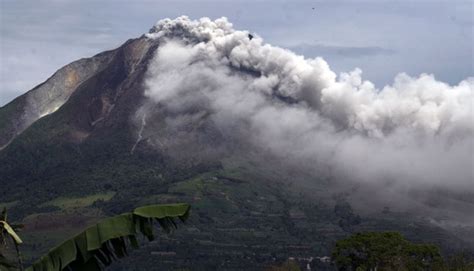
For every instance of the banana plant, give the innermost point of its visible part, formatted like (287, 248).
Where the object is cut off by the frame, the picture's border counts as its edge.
(103, 243)
(7, 232)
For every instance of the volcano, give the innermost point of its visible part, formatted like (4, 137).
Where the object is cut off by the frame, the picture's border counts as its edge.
(185, 114)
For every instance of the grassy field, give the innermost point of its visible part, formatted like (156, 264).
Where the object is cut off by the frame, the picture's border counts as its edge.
(8, 204)
(68, 203)
(44, 231)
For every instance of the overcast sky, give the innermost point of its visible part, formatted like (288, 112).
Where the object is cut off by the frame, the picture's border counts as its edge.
(382, 38)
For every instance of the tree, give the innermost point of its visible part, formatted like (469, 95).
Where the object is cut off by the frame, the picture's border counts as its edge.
(347, 217)
(385, 251)
(101, 244)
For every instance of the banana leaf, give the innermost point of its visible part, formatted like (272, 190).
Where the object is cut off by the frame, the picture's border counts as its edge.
(5, 226)
(105, 242)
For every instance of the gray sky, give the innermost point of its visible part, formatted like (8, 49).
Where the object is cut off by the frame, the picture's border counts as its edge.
(382, 38)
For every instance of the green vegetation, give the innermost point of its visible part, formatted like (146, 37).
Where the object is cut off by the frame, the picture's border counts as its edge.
(249, 214)
(8, 205)
(460, 262)
(8, 234)
(288, 265)
(100, 244)
(66, 203)
(347, 217)
(391, 251)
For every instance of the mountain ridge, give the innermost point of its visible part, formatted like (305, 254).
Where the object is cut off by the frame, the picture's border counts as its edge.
(100, 141)
(51, 94)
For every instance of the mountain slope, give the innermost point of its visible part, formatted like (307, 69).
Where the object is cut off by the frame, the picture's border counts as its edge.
(107, 149)
(47, 97)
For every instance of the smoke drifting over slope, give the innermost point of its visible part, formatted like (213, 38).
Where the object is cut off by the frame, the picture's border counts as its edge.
(416, 132)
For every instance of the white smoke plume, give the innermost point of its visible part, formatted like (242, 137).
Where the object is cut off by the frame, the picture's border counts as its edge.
(417, 132)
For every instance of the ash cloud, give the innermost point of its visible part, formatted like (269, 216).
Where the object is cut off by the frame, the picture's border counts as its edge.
(343, 51)
(415, 133)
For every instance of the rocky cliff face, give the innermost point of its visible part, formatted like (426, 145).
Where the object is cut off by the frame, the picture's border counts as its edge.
(49, 96)
(77, 120)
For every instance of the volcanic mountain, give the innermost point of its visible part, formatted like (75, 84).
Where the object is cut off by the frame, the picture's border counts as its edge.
(254, 137)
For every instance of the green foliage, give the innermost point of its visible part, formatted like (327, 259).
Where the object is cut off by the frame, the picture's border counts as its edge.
(347, 217)
(7, 264)
(460, 262)
(5, 227)
(385, 251)
(289, 265)
(8, 205)
(7, 232)
(101, 244)
(65, 203)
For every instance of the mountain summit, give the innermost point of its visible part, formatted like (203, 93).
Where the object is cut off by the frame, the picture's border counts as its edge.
(278, 155)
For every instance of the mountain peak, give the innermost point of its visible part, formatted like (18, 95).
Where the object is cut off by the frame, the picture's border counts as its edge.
(253, 135)
(183, 27)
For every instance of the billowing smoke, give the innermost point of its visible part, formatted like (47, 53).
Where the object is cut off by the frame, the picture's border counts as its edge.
(417, 132)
